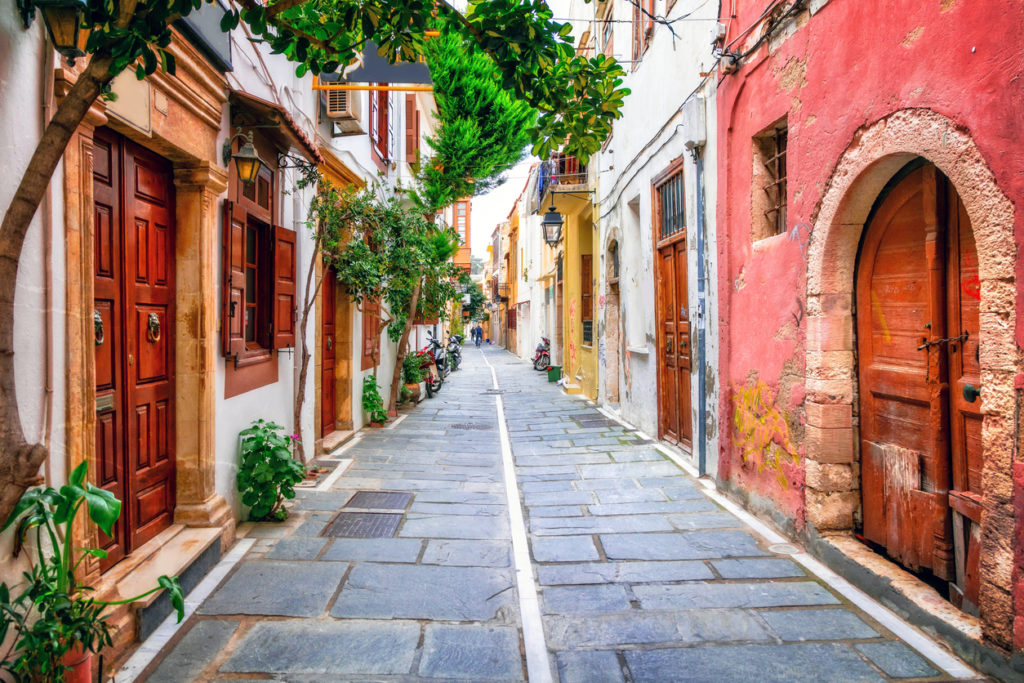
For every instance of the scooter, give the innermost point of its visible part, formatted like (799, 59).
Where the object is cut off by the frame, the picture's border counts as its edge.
(436, 366)
(542, 356)
(455, 350)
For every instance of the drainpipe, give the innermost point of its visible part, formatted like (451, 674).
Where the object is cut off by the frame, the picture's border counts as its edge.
(702, 399)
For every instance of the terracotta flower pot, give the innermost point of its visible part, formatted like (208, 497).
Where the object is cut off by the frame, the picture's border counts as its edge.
(377, 425)
(79, 660)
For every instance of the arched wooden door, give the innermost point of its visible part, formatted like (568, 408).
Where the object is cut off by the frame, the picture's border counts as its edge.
(920, 411)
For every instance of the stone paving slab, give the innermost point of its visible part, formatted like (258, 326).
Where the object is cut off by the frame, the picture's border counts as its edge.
(812, 662)
(194, 652)
(374, 550)
(589, 667)
(326, 648)
(377, 591)
(680, 546)
(454, 526)
(257, 587)
(468, 553)
(622, 572)
(584, 599)
(766, 594)
(817, 624)
(652, 628)
(475, 653)
(564, 549)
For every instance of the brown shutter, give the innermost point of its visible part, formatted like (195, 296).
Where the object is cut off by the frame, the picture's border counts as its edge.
(233, 280)
(587, 286)
(416, 137)
(410, 129)
(284, 288)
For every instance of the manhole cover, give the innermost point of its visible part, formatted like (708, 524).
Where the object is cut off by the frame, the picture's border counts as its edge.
(469, 425)
(784, 549)
(379, 500)
(363, 525)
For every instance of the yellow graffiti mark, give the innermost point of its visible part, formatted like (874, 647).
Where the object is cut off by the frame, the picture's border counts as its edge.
(761, 430)
(876, 306)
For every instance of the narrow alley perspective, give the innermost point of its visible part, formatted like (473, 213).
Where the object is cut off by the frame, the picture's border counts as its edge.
(506, 531)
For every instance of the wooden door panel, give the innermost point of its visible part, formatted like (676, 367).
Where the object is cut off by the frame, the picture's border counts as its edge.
(328, 354)
(900, 384)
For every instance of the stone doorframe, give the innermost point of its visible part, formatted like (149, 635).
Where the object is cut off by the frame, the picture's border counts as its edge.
(188, 137)
(611, 329)
(832, 494)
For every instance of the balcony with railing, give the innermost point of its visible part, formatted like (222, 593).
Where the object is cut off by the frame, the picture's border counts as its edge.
(563, 172)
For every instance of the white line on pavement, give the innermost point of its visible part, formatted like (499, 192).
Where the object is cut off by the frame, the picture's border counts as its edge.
(902, 629)
(151, 647)
(538, 665)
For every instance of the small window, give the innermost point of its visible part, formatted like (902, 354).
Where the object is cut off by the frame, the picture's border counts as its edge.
(768, 202)
(613, 263)
(380, 123)
(643, 28)
(670, 204)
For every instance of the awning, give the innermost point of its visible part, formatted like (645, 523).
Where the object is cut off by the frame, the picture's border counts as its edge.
(249, 111)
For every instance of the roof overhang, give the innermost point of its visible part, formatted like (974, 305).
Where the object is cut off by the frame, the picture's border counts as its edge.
(249, 111)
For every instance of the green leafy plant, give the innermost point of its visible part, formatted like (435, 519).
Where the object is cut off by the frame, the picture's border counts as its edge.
(50, 611)
(268, 473)
(373, 404)
(412, 373)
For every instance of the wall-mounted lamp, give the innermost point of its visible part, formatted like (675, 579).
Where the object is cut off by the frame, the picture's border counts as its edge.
(552, 225)
(63, 19)
(247, 162)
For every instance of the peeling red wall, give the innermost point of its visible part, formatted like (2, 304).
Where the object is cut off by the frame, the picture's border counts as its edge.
(849, 65)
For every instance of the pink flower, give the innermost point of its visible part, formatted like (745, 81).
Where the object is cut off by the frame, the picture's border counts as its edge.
(295, 438)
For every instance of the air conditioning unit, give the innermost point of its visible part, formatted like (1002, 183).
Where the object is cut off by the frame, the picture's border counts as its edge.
(343, 104)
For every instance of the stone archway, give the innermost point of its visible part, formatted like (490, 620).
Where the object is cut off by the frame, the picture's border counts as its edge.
(876, 153)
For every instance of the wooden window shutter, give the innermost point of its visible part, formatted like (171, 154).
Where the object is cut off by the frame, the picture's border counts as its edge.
(233, 280)
(370, 323)
(416, 137)
(284, 288)
(389, 143)
(587, 286)
(410, 129)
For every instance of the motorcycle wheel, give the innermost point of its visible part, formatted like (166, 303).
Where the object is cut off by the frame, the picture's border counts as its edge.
(542, 362)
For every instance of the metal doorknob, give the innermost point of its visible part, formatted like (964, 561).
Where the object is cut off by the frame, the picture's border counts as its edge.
(971, 393)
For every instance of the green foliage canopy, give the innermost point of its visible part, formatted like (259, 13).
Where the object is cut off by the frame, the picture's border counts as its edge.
(484, 130)
(577, 98)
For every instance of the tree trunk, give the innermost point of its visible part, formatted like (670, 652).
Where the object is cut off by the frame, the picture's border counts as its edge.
(308, 300)
(20, 461)
(396, 377)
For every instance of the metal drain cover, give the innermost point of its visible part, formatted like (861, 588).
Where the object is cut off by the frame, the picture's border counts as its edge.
(470, 425)
(363, 525)
(379, 500)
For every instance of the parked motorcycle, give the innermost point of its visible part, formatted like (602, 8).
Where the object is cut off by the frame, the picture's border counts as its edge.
(542, 355)
(455, 350)
(436, 364)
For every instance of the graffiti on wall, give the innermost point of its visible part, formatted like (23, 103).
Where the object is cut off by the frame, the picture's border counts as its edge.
(761, 430)
(572, 334)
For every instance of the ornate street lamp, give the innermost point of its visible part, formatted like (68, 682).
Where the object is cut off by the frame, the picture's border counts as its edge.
(552, 225)
(247, 162)
(63, 19)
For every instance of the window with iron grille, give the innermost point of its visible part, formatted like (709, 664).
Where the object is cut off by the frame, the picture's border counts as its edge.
(768, 203)
(670, 205)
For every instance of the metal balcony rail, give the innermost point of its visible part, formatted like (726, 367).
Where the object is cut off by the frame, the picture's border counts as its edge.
(560, 169)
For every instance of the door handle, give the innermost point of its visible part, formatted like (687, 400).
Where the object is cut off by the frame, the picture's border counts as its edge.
(971, 393)
(153, 328)
(330, 343)
(97, 327)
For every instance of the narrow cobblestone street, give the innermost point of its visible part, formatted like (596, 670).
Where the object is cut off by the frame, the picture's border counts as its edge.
(638, 574)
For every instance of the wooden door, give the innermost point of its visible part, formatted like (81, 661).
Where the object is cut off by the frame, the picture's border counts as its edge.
(134, 300)
(918, 351)
(328, 342)
(672, 308)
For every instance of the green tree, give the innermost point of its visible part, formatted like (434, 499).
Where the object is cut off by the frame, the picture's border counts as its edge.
(483, 131)
(577, 100)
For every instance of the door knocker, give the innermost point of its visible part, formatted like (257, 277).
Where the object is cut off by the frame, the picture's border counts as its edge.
(97, 327)
(153, 328)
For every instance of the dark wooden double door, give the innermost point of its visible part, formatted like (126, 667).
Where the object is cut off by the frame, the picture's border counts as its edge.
(918, 298)
(674, 421)
(133, 323)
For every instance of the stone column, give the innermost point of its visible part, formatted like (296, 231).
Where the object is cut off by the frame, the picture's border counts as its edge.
(197, 222)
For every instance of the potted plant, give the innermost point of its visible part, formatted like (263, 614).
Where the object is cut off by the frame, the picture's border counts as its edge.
(57, 624)
(373, 404)
(412, 375)
(267, 472)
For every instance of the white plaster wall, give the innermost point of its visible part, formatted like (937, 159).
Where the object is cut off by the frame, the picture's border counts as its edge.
(22, 56)
(271, 78)
(645, 141)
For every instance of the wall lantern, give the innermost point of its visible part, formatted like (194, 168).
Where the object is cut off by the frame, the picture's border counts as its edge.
(247, 162)
(63, 19)
(552, 225)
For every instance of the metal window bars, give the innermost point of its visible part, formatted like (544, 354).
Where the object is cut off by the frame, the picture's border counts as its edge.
(775, 188)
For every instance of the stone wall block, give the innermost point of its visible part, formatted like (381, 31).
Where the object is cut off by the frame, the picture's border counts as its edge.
(830, 365)
(831, 511)
(830, 333)
(829, 477)
(829, 445)
(829, 416)
(829, 390)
